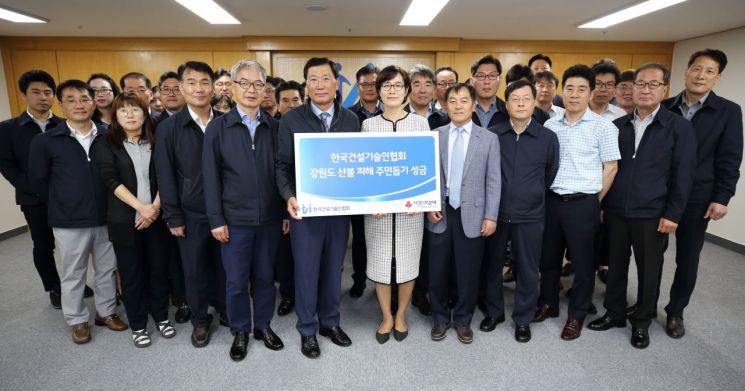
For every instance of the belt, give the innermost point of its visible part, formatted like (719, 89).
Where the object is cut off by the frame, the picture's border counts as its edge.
(569, 197)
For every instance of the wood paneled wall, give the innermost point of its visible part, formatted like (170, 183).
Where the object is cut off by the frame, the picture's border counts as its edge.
(66, 58)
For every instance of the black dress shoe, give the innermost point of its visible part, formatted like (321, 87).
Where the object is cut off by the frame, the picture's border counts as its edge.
(639, 337)
(285, 307)
(224, 319)
(309, 346)
(271, 340)
(183, 314)
(439, 331)
(465, 334)
(358, 288)
(603, 276)
(605, 323)
(240, 346)
(87, 292)
(422, 303)
(336, 335)
(489, 323)
(522, 333)
(55, 298)
(400, 335)
(675, 327)
(382, 337)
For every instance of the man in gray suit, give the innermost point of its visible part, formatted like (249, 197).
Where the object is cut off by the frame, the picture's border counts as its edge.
(470, 191)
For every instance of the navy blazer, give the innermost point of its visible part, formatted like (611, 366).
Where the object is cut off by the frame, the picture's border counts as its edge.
(718, 126)
(441, 118)
(655, 180)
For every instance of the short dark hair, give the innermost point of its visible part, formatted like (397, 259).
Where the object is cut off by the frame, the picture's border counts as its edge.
(389, 73)
(117, 135)
(546, 75)
(135, 75)
(488, 59)
(422, 70)
(714, 54)
(368, 69)
(653, 65)
(274, 81)
(198, 66)
(289, 85)
(222, 98)
(579, 70)
(516, 85)
(627, 75)
(75, 84)
(167, 75)
(103, 76)
(457, 87)
(220, 72)
(449, 69)
(540, 56)
(605, 66)
(318, 61)
(36, 75)
(519, 71)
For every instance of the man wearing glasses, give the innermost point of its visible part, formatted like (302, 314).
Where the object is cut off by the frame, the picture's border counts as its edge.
(170, 96)
(607, 76)
(140, 85)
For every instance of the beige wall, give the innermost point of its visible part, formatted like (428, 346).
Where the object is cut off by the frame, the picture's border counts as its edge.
(730, 87)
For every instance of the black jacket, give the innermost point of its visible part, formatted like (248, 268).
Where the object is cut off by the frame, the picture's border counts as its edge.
(240, 186)
(441, 118)
(116, 168)
(654, 181)
(718, 126)
(67, 179)
(15, 139)
(178, 165)
(302, 120)
(357, 109)
(529, 164)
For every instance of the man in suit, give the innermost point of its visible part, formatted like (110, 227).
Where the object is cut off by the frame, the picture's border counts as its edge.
(444, 78)
(170, 96)
(646, 201)
(318, 243)
(718, 125)
(469, 213)
(422, 89)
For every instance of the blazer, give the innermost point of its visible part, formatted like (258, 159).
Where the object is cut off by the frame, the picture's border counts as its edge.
(441, 118)
(482, 179)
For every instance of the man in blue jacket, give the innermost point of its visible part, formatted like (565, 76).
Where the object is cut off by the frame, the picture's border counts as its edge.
(243, 205)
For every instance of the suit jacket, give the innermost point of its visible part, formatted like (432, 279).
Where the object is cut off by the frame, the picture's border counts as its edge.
(441, 118)
(481, 185)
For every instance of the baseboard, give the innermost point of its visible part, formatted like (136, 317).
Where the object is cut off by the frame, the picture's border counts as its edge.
(13, 232)
(728, 244)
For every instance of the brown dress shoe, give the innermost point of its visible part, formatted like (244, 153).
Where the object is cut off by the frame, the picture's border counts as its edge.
(572, 329)
(200, 337)
(113, 322)
(81, 333)
(544, 312)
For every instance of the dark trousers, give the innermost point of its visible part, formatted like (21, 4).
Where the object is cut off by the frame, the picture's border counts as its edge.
(284, 268)
(200, 258)
(526, 254)
(249, 256)
(601, 245)
(689, 240)
(43, 241)
(570, 225)
(648, 245)
(318, 245)
(175, 270)
(359, 249)
(143, 270)
(453, 246)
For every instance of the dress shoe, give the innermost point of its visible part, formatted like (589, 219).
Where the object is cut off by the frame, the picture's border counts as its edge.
(285, 307)
(200, 337)
(465, 334)
(224, 319)
(631, 309)
(422, 303)
(113, 322)
(567, 270)
(489, 323)
(639, 337)
(336, 335)
(400, 335)
(271, 340)
(382, 337)
(439, 331)
(240, 346)
(81, 333)
(603, 276)
(544, 312)
(358, 288)
(183, 314)
(509, 275)
(55, 298)
(675, 327)
(605, 322)
(572, 329)
(87, 292)
(309, 346)
(522, 333)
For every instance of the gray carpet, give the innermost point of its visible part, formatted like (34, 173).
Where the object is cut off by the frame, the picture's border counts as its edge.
(36, 352)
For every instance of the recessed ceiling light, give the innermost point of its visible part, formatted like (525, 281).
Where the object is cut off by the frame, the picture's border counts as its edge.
(629, 13)
(17, 17)
(209, 11)
(421, 12)
(315, 7)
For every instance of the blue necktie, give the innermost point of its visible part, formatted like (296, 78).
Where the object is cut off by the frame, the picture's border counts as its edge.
(325, 118)
(456, 169)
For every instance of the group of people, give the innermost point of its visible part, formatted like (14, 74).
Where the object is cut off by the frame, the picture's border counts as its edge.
(199, 206)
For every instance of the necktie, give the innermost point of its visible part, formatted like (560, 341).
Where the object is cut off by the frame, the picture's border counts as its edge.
(324, 120)
(456, 169)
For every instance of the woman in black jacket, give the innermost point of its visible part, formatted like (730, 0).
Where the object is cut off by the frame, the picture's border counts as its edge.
(138, 235)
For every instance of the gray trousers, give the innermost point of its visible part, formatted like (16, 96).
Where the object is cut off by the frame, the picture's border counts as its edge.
(76, 246)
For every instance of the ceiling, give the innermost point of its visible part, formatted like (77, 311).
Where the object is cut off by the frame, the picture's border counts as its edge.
(471, 19)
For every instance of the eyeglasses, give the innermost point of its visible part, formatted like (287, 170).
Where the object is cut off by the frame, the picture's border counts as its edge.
(245, 84)
(170, 91)
(313, 82)
(484, 76)
(395, 86)
(129, 110)
(445, 84)
(226, 84)
(653, 85)
(609, 84)
(71, 101)
(102, 91)
(624, 86)
(545, 85)
(366, 86)
(518, 100)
